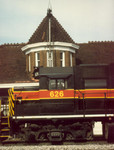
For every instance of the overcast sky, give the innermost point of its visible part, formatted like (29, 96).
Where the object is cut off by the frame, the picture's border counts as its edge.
(84, 20)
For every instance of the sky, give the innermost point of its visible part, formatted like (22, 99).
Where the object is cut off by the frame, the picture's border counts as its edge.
(84, 20)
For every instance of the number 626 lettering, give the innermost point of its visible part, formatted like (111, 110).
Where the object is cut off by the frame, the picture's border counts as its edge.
(56, 94)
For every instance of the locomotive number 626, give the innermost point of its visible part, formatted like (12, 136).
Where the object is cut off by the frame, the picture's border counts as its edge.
(56, 94)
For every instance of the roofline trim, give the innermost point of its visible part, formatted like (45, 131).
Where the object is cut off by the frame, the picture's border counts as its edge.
(11, 85)
(46, 46)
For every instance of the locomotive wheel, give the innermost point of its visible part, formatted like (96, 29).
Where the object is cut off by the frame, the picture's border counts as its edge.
(69, 137)
(30, 137)
(89, 135)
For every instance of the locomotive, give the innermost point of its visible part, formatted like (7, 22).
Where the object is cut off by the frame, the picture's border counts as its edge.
(65, 106)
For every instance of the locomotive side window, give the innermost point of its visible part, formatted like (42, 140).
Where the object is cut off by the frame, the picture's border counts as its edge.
(60, 84)
(52, 84)
(57, 84)
(95, 83)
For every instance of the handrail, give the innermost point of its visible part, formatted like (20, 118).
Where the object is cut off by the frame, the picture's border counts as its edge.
(97, 93)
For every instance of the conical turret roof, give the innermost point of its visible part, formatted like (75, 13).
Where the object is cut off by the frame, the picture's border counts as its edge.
(57, 31)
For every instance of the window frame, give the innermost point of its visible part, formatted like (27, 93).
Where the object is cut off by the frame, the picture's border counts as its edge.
(50, 60)
(62, 59)
(56, 84)
(37, 59)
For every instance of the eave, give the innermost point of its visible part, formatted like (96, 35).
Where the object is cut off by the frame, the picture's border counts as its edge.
(47, 46)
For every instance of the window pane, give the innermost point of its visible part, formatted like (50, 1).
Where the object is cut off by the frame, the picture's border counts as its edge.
(49, 59)
(62, 59)
(52, 84)
(60, 84)
(38, 63)
(61, 55)
(50, 55)
(61, 63)
(57, 84)
(65, 84)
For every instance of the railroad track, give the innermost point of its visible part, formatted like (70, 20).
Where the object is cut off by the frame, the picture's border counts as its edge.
(93, 145)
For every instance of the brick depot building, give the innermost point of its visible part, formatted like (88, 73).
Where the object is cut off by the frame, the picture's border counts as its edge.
(49, 46)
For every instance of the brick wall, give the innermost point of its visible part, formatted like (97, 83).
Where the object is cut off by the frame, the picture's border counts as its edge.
(73, 59)
(32, 56)
(67, 59)
(57, 60)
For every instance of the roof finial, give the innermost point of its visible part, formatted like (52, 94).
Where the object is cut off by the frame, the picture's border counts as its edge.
(49, 5)
(49, 10)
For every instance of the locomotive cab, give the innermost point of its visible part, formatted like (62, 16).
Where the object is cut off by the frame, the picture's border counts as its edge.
(55, 83)
(56, 78)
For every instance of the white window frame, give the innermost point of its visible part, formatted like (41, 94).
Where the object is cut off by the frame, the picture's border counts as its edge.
(71, 59)
(37, 61)
(29, 63)
(62, 59)
(50, 60)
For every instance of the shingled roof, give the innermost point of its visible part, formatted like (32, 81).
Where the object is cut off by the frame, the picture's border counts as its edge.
(96, 52)
(12, 64)
(13, 60)
(58, 33)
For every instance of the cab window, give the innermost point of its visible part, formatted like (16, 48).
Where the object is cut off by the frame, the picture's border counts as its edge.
(57, 84)
(52, 84)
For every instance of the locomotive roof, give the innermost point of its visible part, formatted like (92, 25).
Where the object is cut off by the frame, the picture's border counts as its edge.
(93, 65)
(56, 72)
